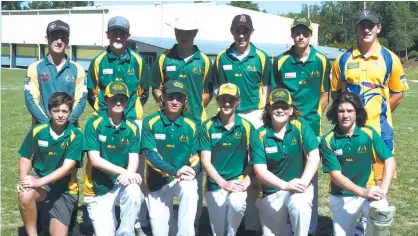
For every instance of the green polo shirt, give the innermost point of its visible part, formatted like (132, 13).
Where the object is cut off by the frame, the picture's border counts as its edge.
(168, 147)
(251, 75)
(354, 156)
(195, 73)
(305, 82)
(229, 148)
(48, 154)
(285, 158)
(114, 145)
(130, 68)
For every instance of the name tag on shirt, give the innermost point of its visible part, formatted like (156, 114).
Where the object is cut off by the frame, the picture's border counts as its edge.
(102, 138)
(159, 136)
(171, 68)
(43, 143)
(227, 67)
(338, 152)
(216, 136)
(271, 149)
(290, 75)
(108, 71)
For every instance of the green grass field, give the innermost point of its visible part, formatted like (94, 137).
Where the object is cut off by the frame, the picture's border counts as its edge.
(16, 121)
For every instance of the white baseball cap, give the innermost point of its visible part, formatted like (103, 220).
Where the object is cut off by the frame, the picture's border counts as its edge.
(184, 23)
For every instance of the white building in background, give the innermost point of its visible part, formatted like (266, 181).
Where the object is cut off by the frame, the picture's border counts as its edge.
(23, 32)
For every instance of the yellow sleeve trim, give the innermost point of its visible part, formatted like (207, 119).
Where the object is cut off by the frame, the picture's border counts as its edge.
(152, 121)
(97, 122)
(139, 60)
(218, 57)
(34, 88)
(191, 123)
(247, 130)
(39, 128)
(132, 126)
(207, 65)
(328, 140)
(160, 66)
(262, 59)
(281, 61)
(261, 136)
(194, 160)
(324, 69)
(210, 122)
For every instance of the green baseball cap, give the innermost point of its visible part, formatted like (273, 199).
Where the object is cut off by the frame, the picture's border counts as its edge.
(115, 88)
(230, 89)
(280, 95)
(175, 86)
(301, 21)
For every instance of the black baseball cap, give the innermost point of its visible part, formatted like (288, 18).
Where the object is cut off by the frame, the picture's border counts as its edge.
(57, 25)
(367, 14)
(242, 19)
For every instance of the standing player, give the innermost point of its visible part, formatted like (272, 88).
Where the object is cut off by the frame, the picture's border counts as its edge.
(249, 68)
(47, 169)
(169, 141)
(376, 75)
(304, 72)
(113, 144)
(224, 144)
(186, 63)
(349, 151)
(55, 73)
(285, 164)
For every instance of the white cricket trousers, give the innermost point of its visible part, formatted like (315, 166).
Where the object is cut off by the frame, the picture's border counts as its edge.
(226, 211)
(275, 209)
(160, 208)
(345, 210)
(101, 210)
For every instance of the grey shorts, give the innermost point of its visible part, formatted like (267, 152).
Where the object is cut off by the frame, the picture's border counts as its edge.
(60, 207)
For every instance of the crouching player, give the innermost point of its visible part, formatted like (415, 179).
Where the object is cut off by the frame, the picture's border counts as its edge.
(285, 164)
(113, 144)
(349, 151)
(169, 141)
(224, 143)
(47, 169)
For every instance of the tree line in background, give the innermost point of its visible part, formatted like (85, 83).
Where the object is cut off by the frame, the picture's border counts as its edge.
(336, 20)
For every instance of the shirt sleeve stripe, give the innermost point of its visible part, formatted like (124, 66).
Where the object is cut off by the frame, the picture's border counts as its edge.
(97, 122)
(152, 121)
(39, 128)
(160, 66)
(191, 124)
(132, 126)
(324, 69)
(247, 130)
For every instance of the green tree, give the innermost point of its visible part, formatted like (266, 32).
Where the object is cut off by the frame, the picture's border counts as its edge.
(245, 4)
(58, 4)
(13, 5)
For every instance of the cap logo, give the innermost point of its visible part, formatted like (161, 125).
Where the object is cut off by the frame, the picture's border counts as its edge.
(366, 12)
(280, 94)
(178, 84)
(303, 20)
(118, 87)
(52, 26)
(243, 19)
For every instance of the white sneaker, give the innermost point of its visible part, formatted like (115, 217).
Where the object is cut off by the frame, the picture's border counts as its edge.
(360, 228)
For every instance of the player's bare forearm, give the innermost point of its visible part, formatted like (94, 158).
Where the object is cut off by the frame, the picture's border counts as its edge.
(24, 167)
(59, 173)
(206, 98)
(339, 179)
(389, 171)
(104, 165)
(210, 169)
(133, 162)
(156, 93)
(311, 167)
(267, 177)
(394, 100)
(323, 101)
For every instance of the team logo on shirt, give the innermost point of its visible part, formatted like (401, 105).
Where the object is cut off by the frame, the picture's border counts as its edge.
(197, 70)
(294, 142)
(64, 145)
(124, 141)
(184, 138)
(69, 78)
(237, 135)
(251, 68)
(315, 73)
(44, 76)
(131, 71)
(362, 149)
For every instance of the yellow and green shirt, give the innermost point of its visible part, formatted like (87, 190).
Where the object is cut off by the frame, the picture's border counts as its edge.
(195, 73)
(48, 154)
(354, 156)
(114, 145)
(130, 69)
(229, 148)
(374, 79)
(168, 147)
(251, 75)
(284, 158)
(305, 82)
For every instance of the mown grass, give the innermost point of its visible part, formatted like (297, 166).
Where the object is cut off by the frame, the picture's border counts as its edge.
(15, 123)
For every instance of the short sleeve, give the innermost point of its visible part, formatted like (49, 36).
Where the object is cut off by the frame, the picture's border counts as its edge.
(75, 150)
(310, 140)
(381, 149)
(91, 137)
(329, 159)
(204, 139)
(136, 142)
(336, 82)
(157, 73)
(257, 152)
(26, 149)
(397, 79)
(148, 139)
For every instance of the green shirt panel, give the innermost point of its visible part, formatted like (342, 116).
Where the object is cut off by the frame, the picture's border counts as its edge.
(251, 75)
(195, 73)
(229, 148)
(305, 82)
(285, 158)
(48, 154)
(174, 142)
(114, 145)
(130, 68)
(353, 156)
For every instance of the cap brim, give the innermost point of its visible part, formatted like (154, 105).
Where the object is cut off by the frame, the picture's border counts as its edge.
(374, 21)
(118, 27)
(175, 90)
(182, 27)
(112, 95)
(57, 29)
(273, 102)
(240, 24)
(293, 26)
